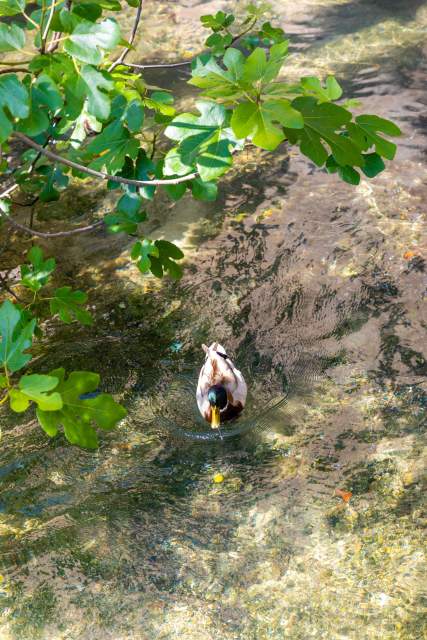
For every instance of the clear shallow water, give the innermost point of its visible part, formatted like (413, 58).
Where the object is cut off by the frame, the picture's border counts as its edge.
(304, 279)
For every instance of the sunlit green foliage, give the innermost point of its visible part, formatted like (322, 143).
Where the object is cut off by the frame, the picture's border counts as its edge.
(68, 94)
(58, 402)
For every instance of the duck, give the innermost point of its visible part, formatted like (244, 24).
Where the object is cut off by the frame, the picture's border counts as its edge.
(221, 389)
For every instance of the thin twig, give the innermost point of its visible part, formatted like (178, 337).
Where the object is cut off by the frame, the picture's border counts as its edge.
(46, 30)
(54, 43)
(165, 65)
(15, 70)
(56, 234)
(14, 63)
(132, 37)
(9, 190)
(5, 286)
(184, 63)
(42, 17)
(153, 148)
(30, 20)
(98, 174)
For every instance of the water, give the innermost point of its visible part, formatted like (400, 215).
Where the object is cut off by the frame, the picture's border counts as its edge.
(305, 281)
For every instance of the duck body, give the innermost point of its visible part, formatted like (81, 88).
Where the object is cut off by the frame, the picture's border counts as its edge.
(221, 390)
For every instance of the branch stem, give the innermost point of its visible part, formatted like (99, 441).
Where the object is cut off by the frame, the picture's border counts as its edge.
(131, 40)
(30, 20)
(14, 63)
(56, 234)
(15, 70)
(184, 63)
(98, 174)
(46, 29)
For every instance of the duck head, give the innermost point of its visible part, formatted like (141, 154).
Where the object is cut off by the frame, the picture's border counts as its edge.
(217, 396)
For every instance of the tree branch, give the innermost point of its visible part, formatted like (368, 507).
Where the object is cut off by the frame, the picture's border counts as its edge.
(14, 70)
(46, 29)
(165, 65)
(98, 174)
(131, 39)
(9, 190)
(184, 63)
(4, 284)
(56, 234)
(54, 43)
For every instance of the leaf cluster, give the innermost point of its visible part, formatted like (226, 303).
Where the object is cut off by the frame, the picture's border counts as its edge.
(59, 401)
(107, 118)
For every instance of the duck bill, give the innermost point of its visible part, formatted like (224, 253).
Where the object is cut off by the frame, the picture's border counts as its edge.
(215, 420)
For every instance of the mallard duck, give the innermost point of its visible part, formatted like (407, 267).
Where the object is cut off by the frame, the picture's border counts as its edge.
(221, 390)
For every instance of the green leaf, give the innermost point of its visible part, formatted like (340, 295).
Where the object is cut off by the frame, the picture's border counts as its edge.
(206, 191)
(11, 7)
(175, 164)
(374, 164)
(218, 21)
(234, 60)
(36, 388)
(161, 102)
(312, 86)
(3, 381)
(168, 253)
(128, 215)
(157, 257)
(130, 203)
(219, 43)
(134, 116)
(348, 174)
(14, 98)
(320, 124)
(89, 40)
(54, 181)
(87, 10)
(175, 191)
(333, 88)
(36, 123)
(16, 337)
(18, 401)
(113, 144)
(68, 305)
(4, 206)
(255, 66)
(47, 93)
(44, 97)
(206, 142)
(36, 274)
(169, 250)
(114, 5)
(96, 85)
(12, 37)
(255, 121)
(124, 222)
(143, 252)
(79, 414)
(365, 134)
(215, 81)
(271, 35)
